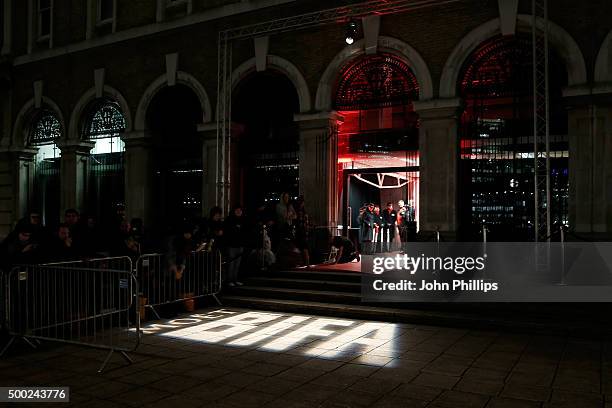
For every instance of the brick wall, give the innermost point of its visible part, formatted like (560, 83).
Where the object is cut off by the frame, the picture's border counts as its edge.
(132, 65)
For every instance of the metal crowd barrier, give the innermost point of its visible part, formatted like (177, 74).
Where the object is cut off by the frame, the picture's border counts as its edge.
(168, 278)
(90, 303)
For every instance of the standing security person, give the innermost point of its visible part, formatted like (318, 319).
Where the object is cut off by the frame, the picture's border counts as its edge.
(389, 218)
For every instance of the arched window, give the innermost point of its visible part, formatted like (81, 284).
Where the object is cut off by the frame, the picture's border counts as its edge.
(104, 124)
(376, 81)
(497, 138)
(378, 139)
(45, 130)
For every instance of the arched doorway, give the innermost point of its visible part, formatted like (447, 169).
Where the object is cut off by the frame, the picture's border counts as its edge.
(172, 118)
(267, 140)
(378, 159)
(496, 134)
(103, 124)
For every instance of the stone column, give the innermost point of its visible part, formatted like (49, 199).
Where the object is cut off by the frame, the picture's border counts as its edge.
(209, 166)
(318, 160)
(590, 168)
(16, 182)
(73, 173)
(439, 155)
(138, 159)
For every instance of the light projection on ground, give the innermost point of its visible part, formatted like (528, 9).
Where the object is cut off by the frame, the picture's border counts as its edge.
(279, 332)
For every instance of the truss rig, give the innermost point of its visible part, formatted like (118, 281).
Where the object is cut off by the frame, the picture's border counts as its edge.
(541, 122)
(293, 23)
(382, 7)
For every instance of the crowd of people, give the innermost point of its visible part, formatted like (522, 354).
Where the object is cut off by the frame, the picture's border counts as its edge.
(275, 235)
(382, 231)
(75, 237)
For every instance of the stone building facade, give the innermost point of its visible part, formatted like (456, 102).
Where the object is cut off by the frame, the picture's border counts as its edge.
(65, 56)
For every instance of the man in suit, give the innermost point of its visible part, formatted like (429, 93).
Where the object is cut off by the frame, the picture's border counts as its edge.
(389, 218)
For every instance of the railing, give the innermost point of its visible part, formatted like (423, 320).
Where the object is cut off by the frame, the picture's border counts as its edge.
(90, 303)
(167, 278)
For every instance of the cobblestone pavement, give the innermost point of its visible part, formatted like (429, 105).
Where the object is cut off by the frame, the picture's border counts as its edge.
(245, 358)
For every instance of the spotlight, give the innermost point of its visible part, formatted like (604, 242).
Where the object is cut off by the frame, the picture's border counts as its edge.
(351, 32)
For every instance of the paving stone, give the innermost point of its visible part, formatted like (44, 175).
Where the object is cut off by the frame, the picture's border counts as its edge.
(264, 369)
(140, 396)
(565, 399)
(311, 392)
(399, 374)
(248, 399)
(287, 403)
(335, 355)
(178, 401)
(287, 359)
(360, 370)
(336, 380)
(459, 399)
(536, 377)
(177, 367)
(385, 352)
(511, 403)
(106, 389)
(419, 356)
(398, 402)
(578, 384)
(239, 379)
(99, 403)
(142, 377)
(418, 392)
(175, 384)
(211, 391)
(407, 363)
(300, 374)
(485, 374)
(206, 373)
(448, 365)
(351, 398)
(374, 385)
(479, 387)
(231, 363)
(274, 386)
(77, 399)
(436, 380)
(321, 364)
(526, 392)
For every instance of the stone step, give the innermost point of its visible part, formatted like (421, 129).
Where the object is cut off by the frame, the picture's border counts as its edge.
(523, 323)
(272, 292)
(308, 284)
(353, 277)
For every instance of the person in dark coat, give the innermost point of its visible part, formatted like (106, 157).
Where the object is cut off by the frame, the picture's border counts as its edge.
(62, 247)
(214, 229)
(19, 248)
(234, 239)
(366, 227)
(346, 250)
(389, 218)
